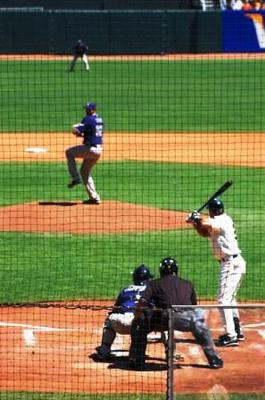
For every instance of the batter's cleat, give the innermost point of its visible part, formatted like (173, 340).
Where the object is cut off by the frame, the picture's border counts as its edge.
(215, 362)
(241, 337)
(227, 341)
(73, 184)
(92, 201)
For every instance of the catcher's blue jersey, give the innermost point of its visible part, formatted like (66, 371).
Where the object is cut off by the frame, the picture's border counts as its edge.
(92, 127)
(129, 297)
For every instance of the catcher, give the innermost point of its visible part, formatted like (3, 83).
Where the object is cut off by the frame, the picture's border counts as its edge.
(219, 228)
(120, 318)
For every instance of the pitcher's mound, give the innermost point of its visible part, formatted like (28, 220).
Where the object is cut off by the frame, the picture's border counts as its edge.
(75, 217)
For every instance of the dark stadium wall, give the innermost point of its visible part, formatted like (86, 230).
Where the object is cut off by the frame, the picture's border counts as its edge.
(111, 32)
(103, 4)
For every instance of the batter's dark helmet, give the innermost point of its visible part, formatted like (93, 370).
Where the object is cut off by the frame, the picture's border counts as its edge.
(141, 275)
(216, 206)
(168, 266)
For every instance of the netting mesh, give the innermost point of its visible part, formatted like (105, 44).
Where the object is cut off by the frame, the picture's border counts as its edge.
(180, 95)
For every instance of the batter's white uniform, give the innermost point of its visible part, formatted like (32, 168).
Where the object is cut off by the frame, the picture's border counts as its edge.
(232, 267)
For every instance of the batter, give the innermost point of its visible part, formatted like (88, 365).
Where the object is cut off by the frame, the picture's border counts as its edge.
(219, 228)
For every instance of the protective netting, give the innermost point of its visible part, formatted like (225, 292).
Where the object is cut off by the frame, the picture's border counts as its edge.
(180, 97)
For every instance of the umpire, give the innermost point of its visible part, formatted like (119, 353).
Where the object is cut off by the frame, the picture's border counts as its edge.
(164, 292)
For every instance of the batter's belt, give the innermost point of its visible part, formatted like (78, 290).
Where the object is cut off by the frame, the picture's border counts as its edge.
(227, 258)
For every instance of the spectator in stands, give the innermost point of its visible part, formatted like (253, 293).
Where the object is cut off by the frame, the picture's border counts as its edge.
(224, 5)
(236, 5)
(246, 5)
(80, 50)
(256, 5)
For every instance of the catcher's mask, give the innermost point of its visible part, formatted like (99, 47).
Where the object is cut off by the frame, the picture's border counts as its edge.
(168, 266)
(216, 207)
(141, 275)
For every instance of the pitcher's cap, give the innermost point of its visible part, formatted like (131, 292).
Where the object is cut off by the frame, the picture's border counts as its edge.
(90, 106)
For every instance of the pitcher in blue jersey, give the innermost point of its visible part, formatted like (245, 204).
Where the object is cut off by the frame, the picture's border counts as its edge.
(91, 129)
(120, 318)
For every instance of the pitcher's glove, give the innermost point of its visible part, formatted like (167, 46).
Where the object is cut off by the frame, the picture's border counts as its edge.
(77, 130)
(194, 217)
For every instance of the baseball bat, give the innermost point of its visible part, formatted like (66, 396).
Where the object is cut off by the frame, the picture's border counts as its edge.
(218, 192)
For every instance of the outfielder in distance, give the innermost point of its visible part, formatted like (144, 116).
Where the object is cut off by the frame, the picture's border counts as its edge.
(80, 50)
(91, 129)
(219, 228)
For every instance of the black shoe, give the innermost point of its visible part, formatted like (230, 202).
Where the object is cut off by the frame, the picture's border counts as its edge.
(92, 201)
(241, 337)
(102, 356)
(73, 184)
(135, 363)
(215, 362)
(227, 341)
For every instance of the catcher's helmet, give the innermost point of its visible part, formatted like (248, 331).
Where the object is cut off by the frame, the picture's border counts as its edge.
(216, 206)
(168, 266)
(141, 275)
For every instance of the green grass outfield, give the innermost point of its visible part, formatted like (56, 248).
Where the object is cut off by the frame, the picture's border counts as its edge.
(39, 267)
(186, 96)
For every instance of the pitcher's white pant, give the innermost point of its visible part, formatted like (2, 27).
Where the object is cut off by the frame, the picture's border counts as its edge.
(90, 157)
(231, 272)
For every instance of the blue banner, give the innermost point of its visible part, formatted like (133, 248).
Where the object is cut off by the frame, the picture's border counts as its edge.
(243, 31)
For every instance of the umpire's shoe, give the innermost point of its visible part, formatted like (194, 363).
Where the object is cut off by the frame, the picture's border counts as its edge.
(213, 359)
(73, 184)
(137, 363)
(227, 341)
(216, 362)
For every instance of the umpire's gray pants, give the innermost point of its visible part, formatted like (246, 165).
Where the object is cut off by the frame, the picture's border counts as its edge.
(183, 320)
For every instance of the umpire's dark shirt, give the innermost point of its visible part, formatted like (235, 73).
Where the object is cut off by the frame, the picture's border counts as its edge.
(169, 290)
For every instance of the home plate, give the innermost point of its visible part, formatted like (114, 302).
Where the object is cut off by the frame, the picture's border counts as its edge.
(36, 150)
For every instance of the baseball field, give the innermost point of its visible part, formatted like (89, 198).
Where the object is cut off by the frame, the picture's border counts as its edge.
(176, 129)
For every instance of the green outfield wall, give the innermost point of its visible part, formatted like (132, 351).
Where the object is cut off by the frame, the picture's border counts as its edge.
(110, 32)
